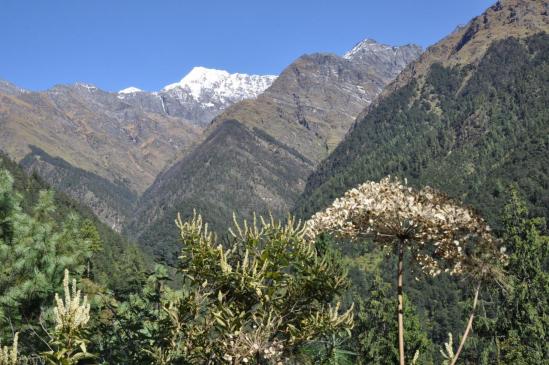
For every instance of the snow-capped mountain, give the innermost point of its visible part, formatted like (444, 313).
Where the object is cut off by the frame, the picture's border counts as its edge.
(203, 84)
(389, 60)
(201, 95)
(130, 90)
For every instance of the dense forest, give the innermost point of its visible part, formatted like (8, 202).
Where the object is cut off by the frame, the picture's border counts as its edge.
(72, 180)
(269, 292)
(469, 131)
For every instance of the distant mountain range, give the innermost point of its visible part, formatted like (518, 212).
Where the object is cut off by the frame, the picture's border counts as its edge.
(256, 155)
(201, 95)
(106, 148)
(467, 116)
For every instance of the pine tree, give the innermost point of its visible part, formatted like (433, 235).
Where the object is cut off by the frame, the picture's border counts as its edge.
(8, 205)
(518, 330)
(35, 250)
(376, 336)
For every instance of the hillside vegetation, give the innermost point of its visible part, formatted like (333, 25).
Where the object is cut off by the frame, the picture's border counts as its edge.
(470, 131)
(116, 262)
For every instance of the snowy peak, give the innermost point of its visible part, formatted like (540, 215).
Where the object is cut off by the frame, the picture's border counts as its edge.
(367, 45)
(388, 60)
(130, 90)
(200, 96)
(199, 77)
(370, 46)
(203, 83)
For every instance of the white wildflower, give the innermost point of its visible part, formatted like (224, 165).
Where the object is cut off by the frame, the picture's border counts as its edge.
(74, 312)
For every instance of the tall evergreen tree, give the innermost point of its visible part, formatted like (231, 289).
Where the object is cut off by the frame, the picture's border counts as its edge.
(375, 334)
(518, 332)
(35, 249)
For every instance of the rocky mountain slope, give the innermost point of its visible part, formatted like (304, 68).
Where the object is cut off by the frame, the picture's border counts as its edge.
(201, 95)
(469, 117)
(106, 148)
(386, 61)
(258, 153)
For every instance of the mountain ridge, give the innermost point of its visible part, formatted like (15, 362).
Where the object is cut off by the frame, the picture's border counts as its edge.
(296, 122)
(125, 138)
(461, 107)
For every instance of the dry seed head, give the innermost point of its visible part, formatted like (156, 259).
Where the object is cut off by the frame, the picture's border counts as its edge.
(436, 227)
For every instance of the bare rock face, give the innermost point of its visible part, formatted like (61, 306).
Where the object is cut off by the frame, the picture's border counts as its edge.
(386, 61)
(266, 142)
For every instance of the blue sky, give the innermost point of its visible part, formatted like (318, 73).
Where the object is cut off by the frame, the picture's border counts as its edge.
(148, 44)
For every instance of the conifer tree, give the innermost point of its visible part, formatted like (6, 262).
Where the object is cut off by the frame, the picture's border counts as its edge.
(518, 330)
(8, 205)
(374, 333)
(35, 254)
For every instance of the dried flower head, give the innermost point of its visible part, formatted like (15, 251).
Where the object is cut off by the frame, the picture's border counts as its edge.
(435, 227)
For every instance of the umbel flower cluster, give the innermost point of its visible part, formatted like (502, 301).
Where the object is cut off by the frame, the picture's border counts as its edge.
(436, 228)
(74, 313)
(8, 355)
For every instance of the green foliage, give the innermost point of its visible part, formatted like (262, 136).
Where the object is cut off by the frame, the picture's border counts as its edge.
(8, 204)
(265, 294)
(115, 263)
(272, 288)
(260, 297)
(376, 327)
(34, 257)
(516, 329)
(328, 351)
(468, 131)
(43, 233)
(154, 325)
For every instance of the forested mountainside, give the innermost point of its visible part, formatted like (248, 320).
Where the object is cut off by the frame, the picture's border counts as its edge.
(393, 271)
(124, 139)
(230, 150)
(258, 153)
(469, 124)
(117, 264)
(111, 201)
